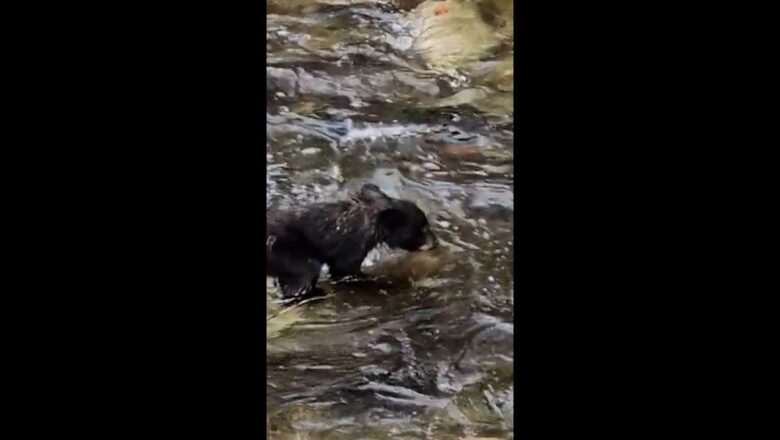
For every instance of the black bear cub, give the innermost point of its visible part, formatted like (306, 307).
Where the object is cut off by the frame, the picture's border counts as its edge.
(340, 234)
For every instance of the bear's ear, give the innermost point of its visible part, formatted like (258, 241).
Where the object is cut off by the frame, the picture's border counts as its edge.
(371, 194)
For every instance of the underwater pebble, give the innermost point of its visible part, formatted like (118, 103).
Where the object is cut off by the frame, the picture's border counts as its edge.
(414, 168)
(383, 347)
(335, 172)
(461, 151)
(309, 151)
(444, 224)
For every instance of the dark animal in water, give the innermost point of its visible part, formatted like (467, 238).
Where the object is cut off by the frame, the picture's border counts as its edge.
(299, 241)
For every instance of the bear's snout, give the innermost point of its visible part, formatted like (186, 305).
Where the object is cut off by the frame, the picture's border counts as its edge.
(431, 242)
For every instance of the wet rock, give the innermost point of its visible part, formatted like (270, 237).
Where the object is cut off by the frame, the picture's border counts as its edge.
(423, 85)
(480, 438)
(316, 85)
(440, 39)
(462, 152)
(500, 14)
(502, 76)
(412, 266)
(290, 6)
(465, 96)
(310, 151)
(304, 107)
(482, 99)
(283, 80)
(407, 4)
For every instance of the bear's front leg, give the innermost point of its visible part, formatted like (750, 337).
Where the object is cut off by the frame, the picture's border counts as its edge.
(295, 289)
(340, 271)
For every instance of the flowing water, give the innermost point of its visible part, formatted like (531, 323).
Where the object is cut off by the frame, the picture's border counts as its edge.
(370, 91)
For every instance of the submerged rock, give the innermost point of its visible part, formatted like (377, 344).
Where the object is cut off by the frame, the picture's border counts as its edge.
(309, 6)
(500, 14)
(411, 266)
(449, 33)
(482, 99)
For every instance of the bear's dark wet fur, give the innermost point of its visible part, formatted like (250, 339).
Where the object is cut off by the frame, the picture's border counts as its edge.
(339, 234)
